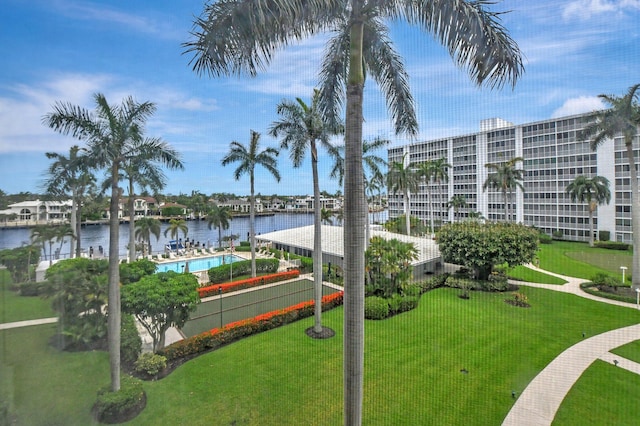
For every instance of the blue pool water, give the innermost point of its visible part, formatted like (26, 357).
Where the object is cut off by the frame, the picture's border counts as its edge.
(195, 265)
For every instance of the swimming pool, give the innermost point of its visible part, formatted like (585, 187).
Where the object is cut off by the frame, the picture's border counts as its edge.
(198, 264)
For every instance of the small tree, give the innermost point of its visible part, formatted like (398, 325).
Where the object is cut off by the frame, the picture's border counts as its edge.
(19, 260)
(480, 247)
(388, 264)
(160, 301)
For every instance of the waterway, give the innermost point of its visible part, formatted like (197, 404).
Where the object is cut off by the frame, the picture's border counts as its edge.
(98, 235)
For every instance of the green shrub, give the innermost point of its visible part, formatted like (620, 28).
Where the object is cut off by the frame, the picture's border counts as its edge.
(544, 238)
(411, 290)
(150, 364)
(604, 235)
(408, 303)
(32, 288)
(612, 245)
(395, 303)
(130, 341)
(433, 282)
(376, 308)
(245, 244)
(604, 279)
(221, 273)
(112, 407)
(557, 234)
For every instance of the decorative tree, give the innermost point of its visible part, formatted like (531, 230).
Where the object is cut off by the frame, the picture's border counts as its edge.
(592, 191)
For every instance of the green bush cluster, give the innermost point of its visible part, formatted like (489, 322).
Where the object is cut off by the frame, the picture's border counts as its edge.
(221, 273)
(376, 308)
(130, 341)
(150, 364)
(604, 235)
(132, 272)
(111, 407)
(604, 279)
(432, 282)
(612, 245)
(32, 288)
(545, 238)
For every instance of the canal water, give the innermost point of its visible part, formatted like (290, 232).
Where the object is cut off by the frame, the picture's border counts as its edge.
(98, 235)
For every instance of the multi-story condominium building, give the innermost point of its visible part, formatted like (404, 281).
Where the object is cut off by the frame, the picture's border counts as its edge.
(553, 154)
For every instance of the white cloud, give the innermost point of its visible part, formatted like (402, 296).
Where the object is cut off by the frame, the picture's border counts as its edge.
(585, 9)
(578, 105)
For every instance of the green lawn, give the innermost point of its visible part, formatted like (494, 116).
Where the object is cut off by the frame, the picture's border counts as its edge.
(17, 308)
(603, 395)
(581, 261)
(525, 274)
(413, 366)
(630, 351)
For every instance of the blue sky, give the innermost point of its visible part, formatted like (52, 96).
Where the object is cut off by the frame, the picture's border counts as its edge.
(67, 50)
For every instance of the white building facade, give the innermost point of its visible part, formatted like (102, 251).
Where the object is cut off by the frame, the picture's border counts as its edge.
(553, 156)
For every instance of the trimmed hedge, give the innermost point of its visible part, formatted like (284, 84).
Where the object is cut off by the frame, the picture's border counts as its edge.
(212, 290)
(376, 308)
(217, 337)
(125, 404)
(611, 245)
(221, 273)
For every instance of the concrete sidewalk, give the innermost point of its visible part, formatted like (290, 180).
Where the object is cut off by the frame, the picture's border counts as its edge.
(539, 402)
(18, 324)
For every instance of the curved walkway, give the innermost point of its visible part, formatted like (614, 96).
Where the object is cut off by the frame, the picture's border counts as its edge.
(539, 402)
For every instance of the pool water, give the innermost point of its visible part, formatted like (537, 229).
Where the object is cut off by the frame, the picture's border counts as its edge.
(199, 264)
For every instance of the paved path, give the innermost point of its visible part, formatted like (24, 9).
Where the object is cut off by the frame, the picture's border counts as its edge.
(27, 323)
(539, 402)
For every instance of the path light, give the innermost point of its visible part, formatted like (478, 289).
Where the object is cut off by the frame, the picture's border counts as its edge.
(513, 394)
(623, 268)
(638, 297)
(615, 361)
(220, 296)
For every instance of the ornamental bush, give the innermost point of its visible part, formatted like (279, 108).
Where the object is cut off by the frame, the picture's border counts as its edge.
(212, 290)
(221, 273)
(130, 341)
(612, 245)
(115, 407)
(376, 308)
(150, 364)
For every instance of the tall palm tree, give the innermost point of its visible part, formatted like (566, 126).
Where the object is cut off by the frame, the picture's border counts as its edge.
(457, 202)
(113, 134)
(326, 216)
(433, 172)
(505, 178)
(145, 228)
(249, 158)
(592, 191)
(622, 118)
(403, 178)
(219, 217)
(43, 235)
(144, 170)
(70, 175)
(175, 227)
(235, 37)
(303, 127)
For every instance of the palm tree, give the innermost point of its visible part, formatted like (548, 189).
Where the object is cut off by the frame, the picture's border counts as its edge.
(621, 119)
(62, 232)
(70, 175)
(175, 227)
(326, 216)
(592, 191)
(43, 234)
(144, 170)
(433, 171)
(249, 159)
(457, 202)
(113, 134)
(504, 178)
(219, 217)
(226, 42)
(303, 126)
(401, 178)
(145, 228)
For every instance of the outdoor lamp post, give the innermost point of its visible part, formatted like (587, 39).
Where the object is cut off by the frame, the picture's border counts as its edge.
(623, 268)
(638, 297)
(220, 296)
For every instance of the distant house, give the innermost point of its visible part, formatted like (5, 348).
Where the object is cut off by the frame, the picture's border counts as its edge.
(142, 206)
(38, 211)
(242, 205)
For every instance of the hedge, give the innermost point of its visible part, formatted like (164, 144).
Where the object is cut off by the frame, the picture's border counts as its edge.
(212, 290)
(612, 245)
(221, 273)
(231, 332)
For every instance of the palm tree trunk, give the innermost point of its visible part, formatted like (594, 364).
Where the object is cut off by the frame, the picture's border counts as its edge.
(430, 209)
(317, 243)
(73, 220)
(252, 232)
(407, 212)
(506, 205)
(591, 208)
(354, 232)
(113, 307)
(635, 216)
(132, 224)
(78, 228)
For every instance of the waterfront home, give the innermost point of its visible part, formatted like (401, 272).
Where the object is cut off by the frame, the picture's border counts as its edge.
(39, 212)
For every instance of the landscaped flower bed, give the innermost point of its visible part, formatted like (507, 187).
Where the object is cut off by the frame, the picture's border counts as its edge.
(212, 290)
(231, 332)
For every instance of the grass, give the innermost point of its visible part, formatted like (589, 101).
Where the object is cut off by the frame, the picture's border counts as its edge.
(603, 395)
(413, 366)
(579, 260)
(17, 308)
(630, 351)
(522, 273)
